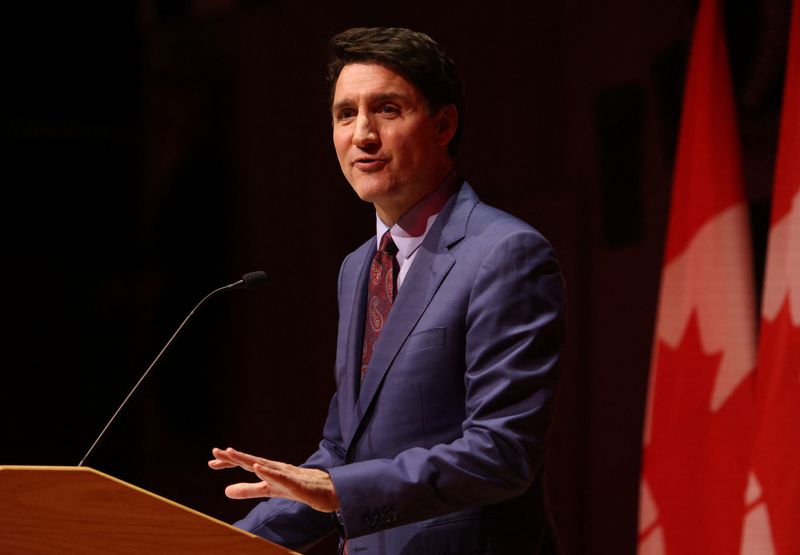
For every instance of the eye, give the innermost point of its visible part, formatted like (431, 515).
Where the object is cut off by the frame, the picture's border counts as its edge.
(345, 114)
(389, 110)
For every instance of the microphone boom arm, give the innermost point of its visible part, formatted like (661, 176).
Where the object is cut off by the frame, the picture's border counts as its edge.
(248, 281)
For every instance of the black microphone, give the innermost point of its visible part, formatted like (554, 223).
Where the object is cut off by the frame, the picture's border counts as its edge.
(248, 281)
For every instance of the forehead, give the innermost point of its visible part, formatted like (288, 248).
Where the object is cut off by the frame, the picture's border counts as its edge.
(357, 81)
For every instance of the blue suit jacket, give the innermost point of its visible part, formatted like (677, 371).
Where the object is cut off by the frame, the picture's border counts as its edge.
(440, 449)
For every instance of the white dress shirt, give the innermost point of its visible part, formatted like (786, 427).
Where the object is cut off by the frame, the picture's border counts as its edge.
(410, 230)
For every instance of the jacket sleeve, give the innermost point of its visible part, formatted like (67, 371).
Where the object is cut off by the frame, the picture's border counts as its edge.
(514, 328)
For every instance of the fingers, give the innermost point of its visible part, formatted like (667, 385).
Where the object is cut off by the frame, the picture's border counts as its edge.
(275, 467)
(218, 463)
(269, 487)
(231, 458)
(242, 459)
(248, 491)
(220, 460)
(307, 485)
(282, 479)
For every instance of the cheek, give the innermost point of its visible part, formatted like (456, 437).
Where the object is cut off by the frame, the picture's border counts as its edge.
(341, 136)
(414, 144)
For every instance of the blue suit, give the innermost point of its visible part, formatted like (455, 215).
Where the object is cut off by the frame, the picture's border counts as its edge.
(440, 449)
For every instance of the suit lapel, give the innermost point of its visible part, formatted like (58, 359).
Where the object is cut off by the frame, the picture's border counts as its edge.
(432, 263)
(348, 389)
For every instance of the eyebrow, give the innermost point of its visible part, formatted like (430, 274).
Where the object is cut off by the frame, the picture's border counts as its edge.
(379, 97)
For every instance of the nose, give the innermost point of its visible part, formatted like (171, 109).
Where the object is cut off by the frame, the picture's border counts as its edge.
(366, 133)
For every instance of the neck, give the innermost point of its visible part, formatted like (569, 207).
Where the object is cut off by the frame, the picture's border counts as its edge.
(413, 221)
(390, 213)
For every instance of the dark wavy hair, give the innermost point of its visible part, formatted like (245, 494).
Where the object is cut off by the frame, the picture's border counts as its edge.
(415, 56)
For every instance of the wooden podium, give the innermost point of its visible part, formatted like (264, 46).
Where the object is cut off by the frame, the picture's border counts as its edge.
(78, 510)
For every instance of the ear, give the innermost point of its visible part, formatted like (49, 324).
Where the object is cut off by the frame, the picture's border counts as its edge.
(446, 124)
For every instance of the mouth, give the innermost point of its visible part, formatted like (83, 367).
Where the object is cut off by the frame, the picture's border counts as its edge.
(368, 164)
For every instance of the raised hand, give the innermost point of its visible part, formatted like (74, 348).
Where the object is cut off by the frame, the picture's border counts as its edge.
(306, 485)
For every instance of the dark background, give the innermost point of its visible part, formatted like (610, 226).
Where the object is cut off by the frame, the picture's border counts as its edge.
(155, 150)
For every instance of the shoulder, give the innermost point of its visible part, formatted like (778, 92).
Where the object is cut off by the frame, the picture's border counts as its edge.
(496, 251)
(493, 224)
(489, 228)
(483, 222)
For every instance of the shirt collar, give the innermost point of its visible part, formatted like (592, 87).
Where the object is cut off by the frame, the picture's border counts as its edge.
(412, 227)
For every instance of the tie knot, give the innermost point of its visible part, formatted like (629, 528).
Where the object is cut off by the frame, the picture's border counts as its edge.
(387, 244)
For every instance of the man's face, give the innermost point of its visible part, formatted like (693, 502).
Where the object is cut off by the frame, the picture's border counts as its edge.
(391, 149)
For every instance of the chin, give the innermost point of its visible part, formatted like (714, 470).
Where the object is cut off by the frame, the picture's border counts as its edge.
(370, 190)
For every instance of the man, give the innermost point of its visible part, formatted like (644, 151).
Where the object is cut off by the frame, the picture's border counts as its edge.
(450, 324)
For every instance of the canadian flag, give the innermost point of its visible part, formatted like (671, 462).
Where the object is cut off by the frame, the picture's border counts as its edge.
(699, 422)
(772, 523)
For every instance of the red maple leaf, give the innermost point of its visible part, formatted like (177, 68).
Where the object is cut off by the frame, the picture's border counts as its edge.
(777, 451)
(697, 460)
